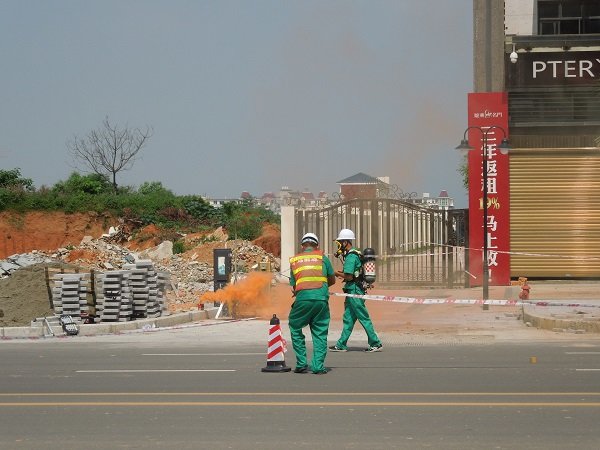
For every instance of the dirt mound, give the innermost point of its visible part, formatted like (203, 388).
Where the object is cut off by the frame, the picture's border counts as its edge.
(270, 239)
(150, 236)
(24, 295)
(47, 231)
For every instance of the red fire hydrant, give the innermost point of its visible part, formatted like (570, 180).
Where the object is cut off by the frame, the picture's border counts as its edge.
(524, 294)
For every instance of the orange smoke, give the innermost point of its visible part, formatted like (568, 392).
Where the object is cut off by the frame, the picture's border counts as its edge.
(246, 297)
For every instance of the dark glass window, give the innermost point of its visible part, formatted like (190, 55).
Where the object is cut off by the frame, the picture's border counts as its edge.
(570, 10)
(569, 26)
(568, 16)
(547, 9)
(548, 28)
(593, 9)
(592, 26)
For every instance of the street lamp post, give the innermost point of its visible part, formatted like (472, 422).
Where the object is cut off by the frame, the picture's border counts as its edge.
(504, 148)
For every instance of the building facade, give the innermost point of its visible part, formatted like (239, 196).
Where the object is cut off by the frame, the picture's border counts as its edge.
(542, 57)
(442, 201)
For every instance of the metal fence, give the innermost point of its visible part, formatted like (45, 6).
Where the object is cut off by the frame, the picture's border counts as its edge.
(415, 246)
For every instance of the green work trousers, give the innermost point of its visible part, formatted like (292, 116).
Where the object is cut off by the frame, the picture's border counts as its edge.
(354, 309)
(315, 314)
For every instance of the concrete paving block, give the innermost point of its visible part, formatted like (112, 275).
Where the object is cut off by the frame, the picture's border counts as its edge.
(122, 326)
(22, 332)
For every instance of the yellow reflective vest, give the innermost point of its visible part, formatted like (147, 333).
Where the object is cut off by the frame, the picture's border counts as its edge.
(307, 268)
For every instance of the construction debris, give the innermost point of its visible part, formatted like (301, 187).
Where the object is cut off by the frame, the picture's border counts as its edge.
(16, 262)
(174, 282)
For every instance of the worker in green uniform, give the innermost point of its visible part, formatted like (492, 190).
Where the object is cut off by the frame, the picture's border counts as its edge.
(354, 308)
(311, 274)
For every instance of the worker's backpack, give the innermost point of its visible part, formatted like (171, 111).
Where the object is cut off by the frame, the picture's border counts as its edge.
(366, 276)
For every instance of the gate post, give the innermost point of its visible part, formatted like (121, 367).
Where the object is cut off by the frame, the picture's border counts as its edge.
(450, 246)
(374, 225)
(432, 237)
(288, 237)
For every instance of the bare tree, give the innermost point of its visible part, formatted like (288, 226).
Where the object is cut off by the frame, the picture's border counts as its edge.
(109, 149)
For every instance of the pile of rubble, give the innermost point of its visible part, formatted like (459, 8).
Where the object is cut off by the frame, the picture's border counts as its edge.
(191, 272)
(16, 262)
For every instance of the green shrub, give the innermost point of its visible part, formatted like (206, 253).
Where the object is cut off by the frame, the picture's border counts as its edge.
(84, 184)
(244, 225)
(151, 203)
(178, 247)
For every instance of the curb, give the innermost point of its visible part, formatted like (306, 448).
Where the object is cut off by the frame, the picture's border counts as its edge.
(37, 331)
(556, 324)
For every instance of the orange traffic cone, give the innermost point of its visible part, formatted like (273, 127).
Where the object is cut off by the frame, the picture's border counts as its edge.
(275, 358)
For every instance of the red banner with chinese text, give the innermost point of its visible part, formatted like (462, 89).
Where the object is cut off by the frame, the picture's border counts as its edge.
(486, 111)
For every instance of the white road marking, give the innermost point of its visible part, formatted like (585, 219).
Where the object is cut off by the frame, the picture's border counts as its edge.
(153, 370)
(582, 353)
(202, 354)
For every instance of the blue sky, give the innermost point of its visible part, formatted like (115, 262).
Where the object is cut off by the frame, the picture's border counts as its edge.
(242, 95)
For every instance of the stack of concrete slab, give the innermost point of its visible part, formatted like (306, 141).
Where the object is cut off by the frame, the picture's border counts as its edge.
(113, 299)
(147, 287)
(163, 282)
(140, 291)
(69, 294)
(136, 291)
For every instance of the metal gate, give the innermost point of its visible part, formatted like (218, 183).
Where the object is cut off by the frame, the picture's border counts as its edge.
(415, 246)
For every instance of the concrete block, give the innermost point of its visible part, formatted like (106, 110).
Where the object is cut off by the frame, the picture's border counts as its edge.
(22, 332)
(173, 320)
(122, 326)
(92, 329)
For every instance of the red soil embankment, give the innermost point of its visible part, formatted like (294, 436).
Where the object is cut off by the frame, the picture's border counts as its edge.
(47, 231)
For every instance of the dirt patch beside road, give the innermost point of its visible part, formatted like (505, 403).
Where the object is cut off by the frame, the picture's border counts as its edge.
(396, 317)
(24, 296)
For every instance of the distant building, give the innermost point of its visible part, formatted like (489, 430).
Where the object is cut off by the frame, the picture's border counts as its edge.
(442, 201)
(219, 202)
(362, 185)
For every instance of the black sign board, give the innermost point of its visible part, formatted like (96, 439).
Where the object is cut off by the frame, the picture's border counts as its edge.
(221, 266)
(536, 69)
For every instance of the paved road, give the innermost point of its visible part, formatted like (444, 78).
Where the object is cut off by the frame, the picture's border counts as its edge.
(201, 387)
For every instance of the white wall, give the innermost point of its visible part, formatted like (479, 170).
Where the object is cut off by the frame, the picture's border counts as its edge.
(520, 17)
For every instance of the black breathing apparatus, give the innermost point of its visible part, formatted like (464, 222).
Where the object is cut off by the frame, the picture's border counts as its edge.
(340, 252)
(367, 275)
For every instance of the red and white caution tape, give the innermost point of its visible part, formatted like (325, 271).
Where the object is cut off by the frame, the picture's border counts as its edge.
(425, 246)
(457, 301)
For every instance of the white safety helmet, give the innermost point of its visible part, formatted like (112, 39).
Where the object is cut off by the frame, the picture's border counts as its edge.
(310, 238)
(346, 235)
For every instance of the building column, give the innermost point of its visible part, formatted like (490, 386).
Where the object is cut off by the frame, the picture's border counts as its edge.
(288, 237)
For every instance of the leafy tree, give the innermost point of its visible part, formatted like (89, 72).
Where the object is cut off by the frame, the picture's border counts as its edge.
(202, 211)
(153, 187)
(109, 149)
(463, 170)
(14, 189)
(244, 220)
(244, 225)
(84, 184)
(12, 179)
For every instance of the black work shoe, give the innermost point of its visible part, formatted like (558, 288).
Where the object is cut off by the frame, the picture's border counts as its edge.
(374, 348)
(303, 369)
(335, 348)
(322, 372)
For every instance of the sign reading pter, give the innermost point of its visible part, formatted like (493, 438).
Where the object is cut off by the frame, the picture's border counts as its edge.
(567, 69)
(552, 69)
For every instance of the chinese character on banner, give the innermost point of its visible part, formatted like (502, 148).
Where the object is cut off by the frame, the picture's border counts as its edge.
(486, 111)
